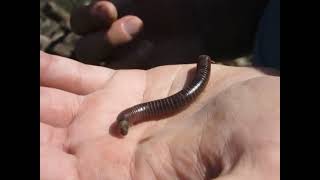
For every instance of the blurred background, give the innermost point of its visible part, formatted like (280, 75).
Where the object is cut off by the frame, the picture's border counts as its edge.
(55, 33)
(57, 38)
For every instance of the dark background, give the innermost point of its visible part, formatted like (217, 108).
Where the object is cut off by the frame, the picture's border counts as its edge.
(233, 47)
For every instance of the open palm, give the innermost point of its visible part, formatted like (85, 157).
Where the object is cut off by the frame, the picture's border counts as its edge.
(230, 132)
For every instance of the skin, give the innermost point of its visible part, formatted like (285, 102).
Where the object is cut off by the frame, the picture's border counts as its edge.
(232, 132)
(170, 26)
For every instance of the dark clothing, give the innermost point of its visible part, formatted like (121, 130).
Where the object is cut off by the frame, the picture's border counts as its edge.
(267, 49)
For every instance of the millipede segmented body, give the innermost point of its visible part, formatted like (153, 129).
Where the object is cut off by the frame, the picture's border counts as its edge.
(171, 104)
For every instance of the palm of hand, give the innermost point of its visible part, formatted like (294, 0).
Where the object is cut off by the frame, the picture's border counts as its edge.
(79, 103)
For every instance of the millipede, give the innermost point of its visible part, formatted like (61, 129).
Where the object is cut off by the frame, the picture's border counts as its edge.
(172, 104)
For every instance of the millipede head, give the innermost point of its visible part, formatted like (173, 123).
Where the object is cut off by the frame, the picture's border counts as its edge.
(203, 60)
(123, 127)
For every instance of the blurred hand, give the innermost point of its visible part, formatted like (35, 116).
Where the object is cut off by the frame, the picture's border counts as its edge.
(174, 31)
(230, 133)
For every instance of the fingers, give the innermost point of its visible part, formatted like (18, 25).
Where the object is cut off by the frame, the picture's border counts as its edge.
(72, 76)
(124, 30)
(96, 46)
(58, 108)
(91, 18)
(103, 32)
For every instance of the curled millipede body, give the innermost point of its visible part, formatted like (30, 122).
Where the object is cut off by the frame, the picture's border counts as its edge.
(171, 104)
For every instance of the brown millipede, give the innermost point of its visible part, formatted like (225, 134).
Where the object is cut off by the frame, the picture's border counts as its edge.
(171, 104)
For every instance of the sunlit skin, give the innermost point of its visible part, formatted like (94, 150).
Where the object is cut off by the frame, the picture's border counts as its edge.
(232, 131)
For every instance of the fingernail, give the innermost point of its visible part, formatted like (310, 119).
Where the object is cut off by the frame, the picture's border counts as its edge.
(132, 26)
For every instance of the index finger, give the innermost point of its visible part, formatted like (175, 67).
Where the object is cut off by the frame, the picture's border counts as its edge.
(72, 76)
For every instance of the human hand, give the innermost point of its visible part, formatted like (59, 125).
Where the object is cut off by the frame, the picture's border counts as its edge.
(174, 31)
(230, 132)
